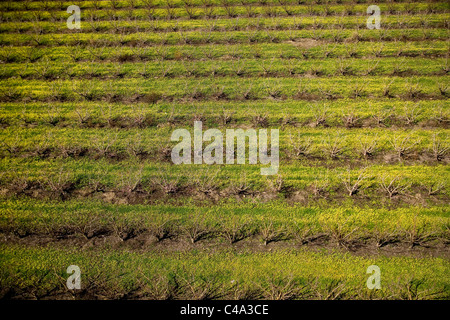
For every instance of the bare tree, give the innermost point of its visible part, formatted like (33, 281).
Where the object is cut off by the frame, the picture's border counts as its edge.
(235, 229)
(131, 179)
(226, 116)
(277, 184)
(285, 4)
(164, 229)
(239, 67)
(248, 8)
(371, 67)
(443, 89)
(358, 90)
(320, 115)
(190, 9)
(383, 237)
(334, 146)
(354, 184)
(260, 120)
(418, 234)
(282, 288)
(83, 114)
(344, 67)
(59, 183)
(393, 186)
(196, 229)
(13, 146)
(382, 117)
(334, 290)
(412, 114)
(412, 90)
(440, 116)
(350, 119)
(201, 288)
(321, 185)
(302, 233)
(402, 145)
(387, 90)
(242, 186)
(434, 187)
(377, 49)
(301, 147)
(229, 8)
(206, 182)
(439, 147)
(270, 233)
(103, 145)
(169, 185)
(367, 146)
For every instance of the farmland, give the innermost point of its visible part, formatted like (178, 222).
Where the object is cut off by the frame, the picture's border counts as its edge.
(87, 179)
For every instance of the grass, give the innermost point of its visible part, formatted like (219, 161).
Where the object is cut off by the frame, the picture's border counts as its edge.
(382, 49)
(390, 112)
(217, 37)
(223, 274)
(85, 172)
(24, 216)
(310, 146)
(282, 23)
(223, 88)
(295, 174)
(244, 68)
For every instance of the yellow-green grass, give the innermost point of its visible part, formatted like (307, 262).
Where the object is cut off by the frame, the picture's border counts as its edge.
(282, 23)
(223, 274)
(294, 174)
(233, 88)
(31, 216)
(283, 50)
(221, 11)
(302, 113)
(87, 116)
(285, 68)
(19, 141)
(218, 37)
(104, 4)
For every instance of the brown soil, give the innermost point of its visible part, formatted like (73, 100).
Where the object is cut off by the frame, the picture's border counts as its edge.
(202, 97)
(150, 194)
(146, 242)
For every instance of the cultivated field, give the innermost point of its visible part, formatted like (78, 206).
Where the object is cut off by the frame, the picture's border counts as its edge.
(87, 179)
